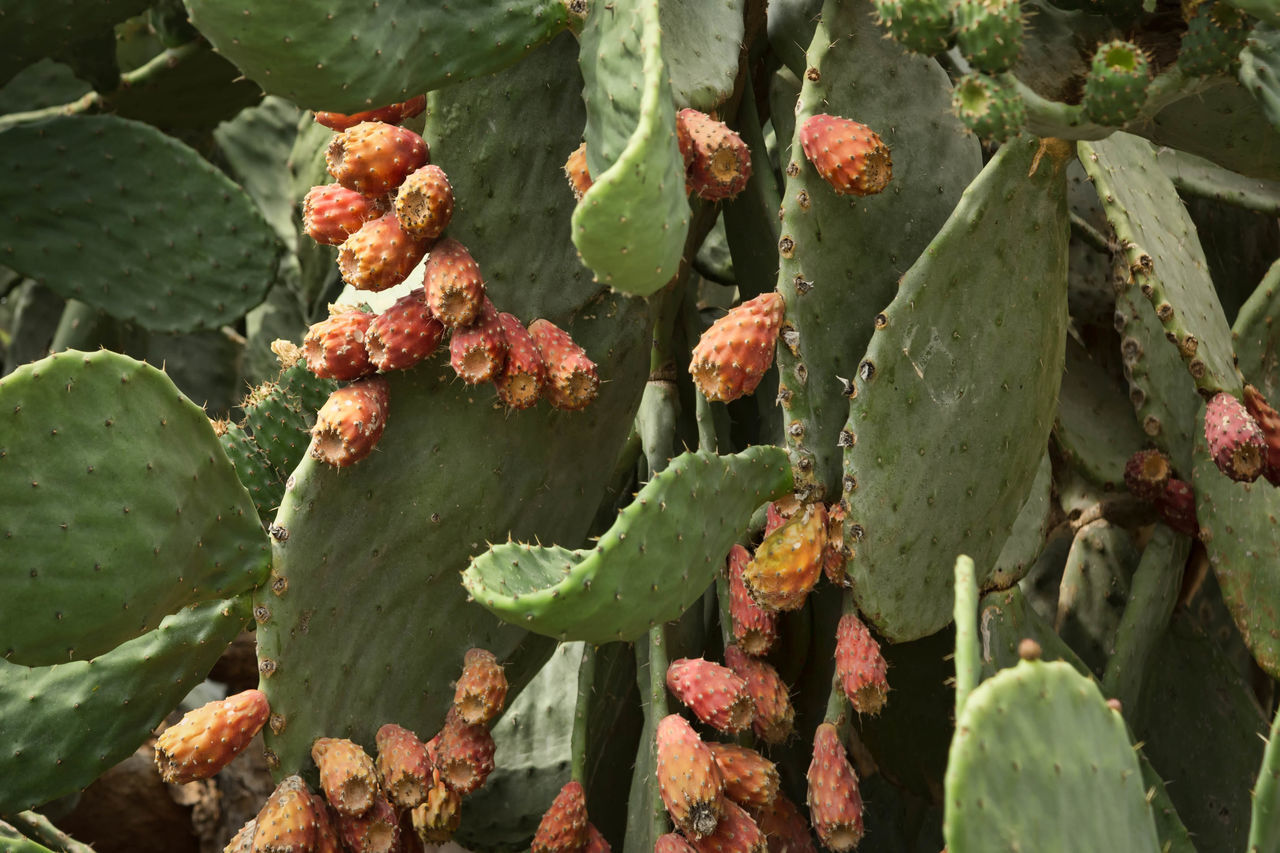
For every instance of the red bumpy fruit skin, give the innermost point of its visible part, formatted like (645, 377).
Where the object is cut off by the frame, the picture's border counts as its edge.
(404, 334)
(849, 156)
(481, 690)
(718, 161)
(1177, 507)
(327, 840)
(350, 422)
(404, 768)
(775, 717)
(288, 822)
(784, 827)
(1235, 440)
(375, 831)
(347, 775)
(390, 114)
(380, 255)
(464, 755)
(524, 377)
(788, 562)
(424, 203)
(455, 290)
(478, 352)
(1147, 473)
(563, 829)
(1269, 420)
(572, 380)
(374, 158)
(715, 695)
(754, 628)
(672, 843)
(575, 169)
(778, 513)
(332, 213)
(596, 842)
(860, 665)
(735, 833)
(750, 779)
(732, 356)
(335, 348)
(437, 818)
(206, 739)
(835, 804)
(688, 779)
(834, 556)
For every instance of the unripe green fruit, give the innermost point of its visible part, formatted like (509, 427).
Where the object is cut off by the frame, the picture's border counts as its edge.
(989, 33)
(921, 25)
(1216, 33)
(989, 107)
(1116, 87)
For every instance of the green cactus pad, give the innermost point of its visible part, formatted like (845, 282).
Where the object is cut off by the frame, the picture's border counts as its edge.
(35, 29)
(1264, 823)
(923, 26)
(1257, 335)
(703, 40)
(14, 841)
(989, 106)
(649, 567)
(630, 226)
(1116, 86)
(352, 57)
(991, 284)
(120, 507)
(66, 724)
(1005, 619)
(96, 211)
(1026, 538)
(1196, 176)
(253, 469)
(1260, 67)
(1095, 429)
(1216, 33)
(279, 425)
(1094, 587)
(1039, 762)
(1165, 259)
(988, 32)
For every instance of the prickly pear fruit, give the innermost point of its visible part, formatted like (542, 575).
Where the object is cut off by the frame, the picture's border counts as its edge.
(350, 422)
(478, 352)
(377, 830)
(1116, 85)
(332, 213)
(735, 833)
(437, 819)
(335, 348)
(775, 717)
(464, 755)
(374, 158)
(242, 841)
(848, 155)
(1177, 507)
(380, 255)
(347, 774)
(1216, 33)
(713, 692)
(1235, 440)
(207, 738)
(524, 376)
(732, 356)
(787, 563)
(779, 512)
(688, 779)
(455, 290)
(1269, 420)
(860, 665)
(754, 628)
(327, 840)
(672, 843)
(835, 804)
(920, 25)
(572, 381)
(575, 169)
(404, 768)
(784, 827)
(1146, 474)
(835, 555)
(719, 161)
(990, 108)
(288, 821)
(596, 842)
(563, 829)
(390, 114)
(404, 334)
(482, 689)
(988, 33)
(424, 203)
(750, 779)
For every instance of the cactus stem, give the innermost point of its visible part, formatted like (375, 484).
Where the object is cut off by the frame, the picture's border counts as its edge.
(655, 657)
(581, 714)
(1067, 121)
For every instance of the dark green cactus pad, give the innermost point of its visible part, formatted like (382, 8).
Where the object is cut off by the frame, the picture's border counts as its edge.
(35, 29)
(1040, 762)
(197, 89)
(630, 226)
(1094, 589)
(1095, 429)
(842, 256)
(702, 43)
(351, 57)
(43, 84)
(1257, 335)
(97, 211)
(252, 468)
(991, 284)
(1197, 176)
(256, 145)
(121, 507)
(1260, 69)
(1026, 538)
(657, 558)
(1005, 619)
(64, 725)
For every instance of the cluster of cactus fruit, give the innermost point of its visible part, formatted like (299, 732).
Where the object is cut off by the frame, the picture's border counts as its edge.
(923, 341)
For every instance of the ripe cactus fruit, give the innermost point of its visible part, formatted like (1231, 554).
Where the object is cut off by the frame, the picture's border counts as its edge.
(920, 25)
(750, 779)
(848, 155)
(572, 381)
(754, 628)
(1116, 85)
(374, 158)
(672, 843)
(784, 827)
(789, 560)
(437, 818)
(735, 833)
(860, 665)
(350, 422)
(779, 512)
(404, 768)
(989, 107)
(390, 114)
(524, 375)
(455, 290)
(464, 755)
(327, 840)
(332, 213)
(1269, 420)
(688, 779)
(1177, 507)
(1146, 474)
(335, 348)
(478, 352)
(207, 738)
(834, 556)
(774, 717)
(563, 829)
(835, 804)
(404, 334)
(732, 356)
(242, 841)
(1216, 33)
(988, 33)
(713, 692)
(377, 830)
(424, 203)
(288, 822)
(380, 255)
(347, 775)
(719, 162)
(1235, 440)
(596, 842)
(575, 169)
(482, 689)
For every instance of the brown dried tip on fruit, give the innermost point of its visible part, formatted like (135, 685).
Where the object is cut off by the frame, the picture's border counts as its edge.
(788, 562)
(750, 779)
(1146, 473)
(572, 380)
(524, 376)
(718, 161)
(860, 665)
(735, 833)
(455, 290)
(775, 717)
(374, 158)
(835, 804)
(849, 156)
(478, 352)
(713, 692)
(288, 823)
(424, 203)
(464, 755)
(754, 628)
(732, 356)
(206, 739)
(350, 422)
(347, 774)
(404, 768)
(390, 114)
(1269, 420)
(404, 334)
(332, 213)
(563, 828)
(335, 348)
(482, 689)
(375, 831)
(437, 819)
(688, 779)
(575, 169)
(380, 255)
(784, 826)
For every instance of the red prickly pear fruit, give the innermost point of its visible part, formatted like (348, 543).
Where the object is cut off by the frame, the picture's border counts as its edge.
(735, 833)
(860, 665)
(575, 169)
(572, 380)
(404, 334)
(478, 352)
(482, 689)
(834, 556)
(207, 738)
(719, 162)
(390, 114)
(779, 512)
(849, 156)
(404, 768)
(789, 560)
(784, 827)
(424, 203)
(1147, 473)
(380, 255)
(332, 213)
(732, 356)
(563, 829)
(750, 779)
(688, 779)
(596, 842)
(715, 695)
(327, 840)
(672, 843)
(373, 157)
(437, 818)
(1177, 507)
(775, 717)
(524, 376)
(1235, 440)
(754, 628)
(350, 422)
(1269, 420)
(835, 804)
(288, 822)
(464, 755)
(335, 348)
(375, 831)
(242, 841)
(455, 290)
(347, 775)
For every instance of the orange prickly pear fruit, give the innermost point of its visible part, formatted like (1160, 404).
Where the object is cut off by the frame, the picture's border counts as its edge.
(774, 717)
(688, 779)
(482, 689)
(735, 833)
(563, 829)
(288, 822)
(524, 376)
(380, 255)
(464, 755)
(718, 161)
(835, 555)
(332, 213)
(335, 348)
(478, 352)
(424, 203)
(750, 779)
(350, 422)
(595, 841)
(754, 628)
(206, 739)
(672, 843)
(404, 334)
(733, 354)
(575, 169)
(390, 114)
(849, 156)
(373, 158)
(455, 290)
(375, 831)
(784, 827)
(347, 775)
(572, 381)
(778, 513)
(860, 665)
(788, 561)
(437, 818)
(327, 840)
(713, 692)
(242, 841)
(835, 805)
(404, 768)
